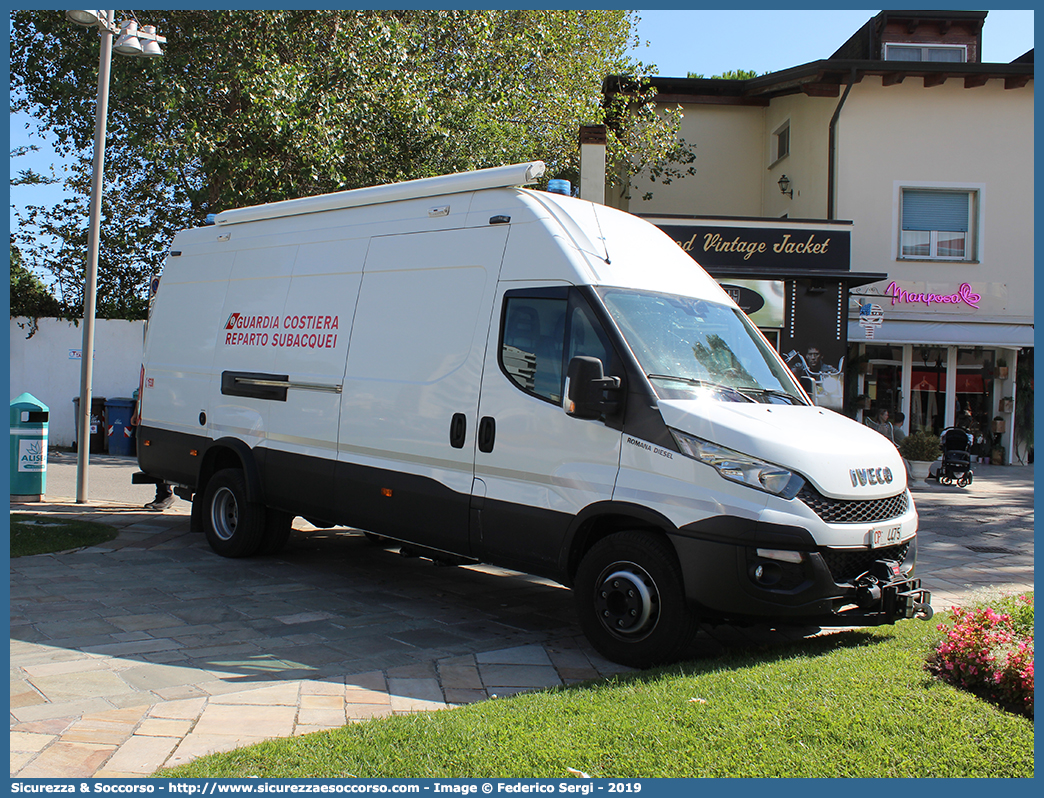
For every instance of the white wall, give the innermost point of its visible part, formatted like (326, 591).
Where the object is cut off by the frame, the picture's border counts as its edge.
(729, 173)
(43, 367)
(978, 138)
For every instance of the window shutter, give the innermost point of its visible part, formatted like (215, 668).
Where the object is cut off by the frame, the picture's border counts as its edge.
(936, 210)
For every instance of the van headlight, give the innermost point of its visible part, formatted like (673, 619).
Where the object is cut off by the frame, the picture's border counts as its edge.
(740, 467)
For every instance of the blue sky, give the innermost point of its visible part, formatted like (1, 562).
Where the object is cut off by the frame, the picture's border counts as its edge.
(702, 41)
(713, 42)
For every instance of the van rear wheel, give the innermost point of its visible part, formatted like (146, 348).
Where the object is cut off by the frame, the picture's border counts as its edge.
(631, 600)
(234, 526)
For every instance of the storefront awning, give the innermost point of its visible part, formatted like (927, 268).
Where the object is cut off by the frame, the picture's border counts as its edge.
(851, 279)
(1009, 336)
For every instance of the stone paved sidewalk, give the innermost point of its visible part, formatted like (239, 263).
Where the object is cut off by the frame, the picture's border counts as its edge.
(150, 650)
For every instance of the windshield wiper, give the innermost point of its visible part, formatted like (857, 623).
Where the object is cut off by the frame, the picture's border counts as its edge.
(702, 384)
(770, 392)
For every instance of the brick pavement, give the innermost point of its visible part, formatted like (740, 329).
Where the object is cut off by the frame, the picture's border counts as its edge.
(150, 650)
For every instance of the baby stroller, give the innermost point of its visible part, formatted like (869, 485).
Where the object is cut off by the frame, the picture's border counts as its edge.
(956, 462)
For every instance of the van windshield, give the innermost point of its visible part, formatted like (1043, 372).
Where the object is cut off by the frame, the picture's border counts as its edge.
(693, 348)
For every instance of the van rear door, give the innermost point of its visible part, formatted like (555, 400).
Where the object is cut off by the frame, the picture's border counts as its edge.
(406, 445)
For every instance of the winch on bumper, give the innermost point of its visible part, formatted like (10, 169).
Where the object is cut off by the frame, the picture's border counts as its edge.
(884, 592)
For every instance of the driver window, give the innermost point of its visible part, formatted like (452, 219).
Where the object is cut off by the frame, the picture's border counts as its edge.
(586, 337)
(537, 343)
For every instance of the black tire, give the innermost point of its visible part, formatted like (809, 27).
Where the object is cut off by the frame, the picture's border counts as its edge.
(234, 526)
(631, 601)
(278, 526)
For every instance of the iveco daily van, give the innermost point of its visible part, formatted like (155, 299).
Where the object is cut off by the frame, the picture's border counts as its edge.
(486, 373)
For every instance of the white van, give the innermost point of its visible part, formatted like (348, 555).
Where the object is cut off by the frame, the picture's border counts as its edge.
(485, 373)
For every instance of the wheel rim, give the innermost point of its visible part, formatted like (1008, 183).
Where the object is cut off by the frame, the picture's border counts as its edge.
(224, 513)
(626, 601)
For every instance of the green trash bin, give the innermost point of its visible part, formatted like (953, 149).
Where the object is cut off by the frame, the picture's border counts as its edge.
(28, 448)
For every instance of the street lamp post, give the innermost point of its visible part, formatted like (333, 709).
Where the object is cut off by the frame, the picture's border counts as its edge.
(128, 44)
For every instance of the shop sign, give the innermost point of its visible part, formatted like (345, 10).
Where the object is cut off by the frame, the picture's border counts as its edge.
(813, 347)
(963, 295)
(761, 300)
(763, 247)
(871, 316)
(930, 298)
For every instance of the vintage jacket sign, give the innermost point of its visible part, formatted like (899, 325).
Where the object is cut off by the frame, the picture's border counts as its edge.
(763, 248)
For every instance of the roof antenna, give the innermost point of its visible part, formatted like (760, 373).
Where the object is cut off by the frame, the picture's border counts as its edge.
(601, 235)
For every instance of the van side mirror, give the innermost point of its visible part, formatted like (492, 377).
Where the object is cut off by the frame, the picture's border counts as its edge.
(585, 388)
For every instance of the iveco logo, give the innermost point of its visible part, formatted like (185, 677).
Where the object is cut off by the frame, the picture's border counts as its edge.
(870, 476)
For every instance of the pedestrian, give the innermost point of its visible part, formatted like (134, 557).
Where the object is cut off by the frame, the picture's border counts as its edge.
(164, 497)
(164, 491)
(880, 424)
(898, 436)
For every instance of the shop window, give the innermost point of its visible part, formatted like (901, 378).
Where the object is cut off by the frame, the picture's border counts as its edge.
(937, 224)
(883, 385)
(938, 53)
(975, 373)
(928, 388)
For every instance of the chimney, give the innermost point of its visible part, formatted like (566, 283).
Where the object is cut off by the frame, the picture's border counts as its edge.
(592, 163)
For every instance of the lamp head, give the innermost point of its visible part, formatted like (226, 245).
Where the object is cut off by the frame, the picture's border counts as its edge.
(128, 43)
(86, 18)
(150, 47)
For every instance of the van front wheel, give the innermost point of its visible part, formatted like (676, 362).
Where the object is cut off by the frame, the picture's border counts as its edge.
(631, 600)
(234, 526)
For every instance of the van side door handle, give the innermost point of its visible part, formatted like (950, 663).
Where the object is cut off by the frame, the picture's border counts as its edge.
(487, 433)
(458, 430)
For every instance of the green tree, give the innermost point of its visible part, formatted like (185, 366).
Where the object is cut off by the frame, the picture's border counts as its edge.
(248, 107)
(732, 74)
(30, 298)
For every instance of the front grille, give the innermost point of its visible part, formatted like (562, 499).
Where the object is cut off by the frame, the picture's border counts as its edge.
(847, 511)
(846, 564)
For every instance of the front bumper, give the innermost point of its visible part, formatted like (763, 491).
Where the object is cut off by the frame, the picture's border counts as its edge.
(829, 586)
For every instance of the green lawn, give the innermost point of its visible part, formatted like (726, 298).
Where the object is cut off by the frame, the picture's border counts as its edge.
(855, 704)
(31, 534)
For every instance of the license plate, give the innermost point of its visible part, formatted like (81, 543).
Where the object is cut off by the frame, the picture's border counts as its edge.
(885, 536)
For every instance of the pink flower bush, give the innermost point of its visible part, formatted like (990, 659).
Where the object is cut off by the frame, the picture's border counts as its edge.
(987, 653)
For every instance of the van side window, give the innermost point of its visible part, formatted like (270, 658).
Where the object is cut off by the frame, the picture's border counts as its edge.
(532, 340)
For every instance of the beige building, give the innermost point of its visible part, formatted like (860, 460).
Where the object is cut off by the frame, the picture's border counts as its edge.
(924, 155)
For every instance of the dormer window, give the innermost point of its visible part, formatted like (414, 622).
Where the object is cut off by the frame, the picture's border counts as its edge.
(938, 53)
